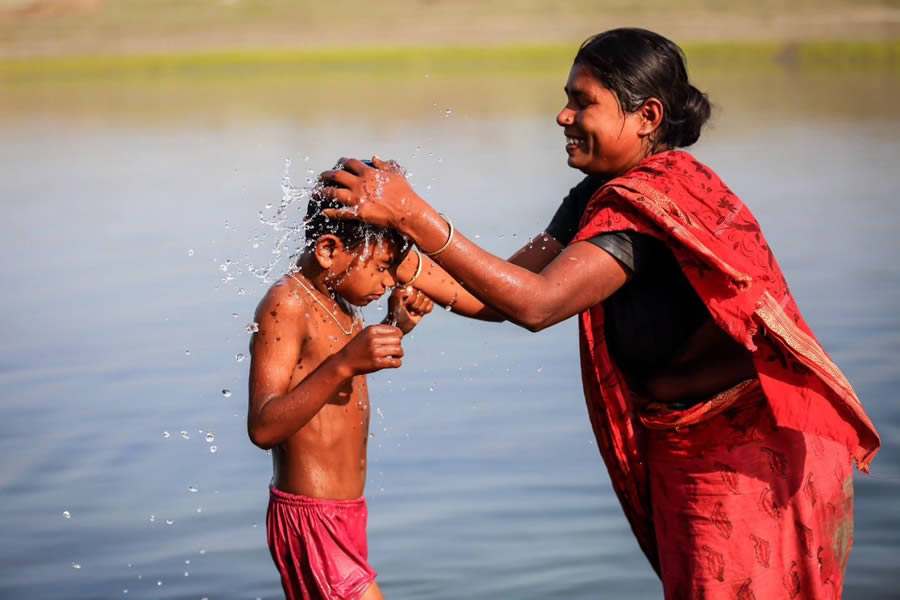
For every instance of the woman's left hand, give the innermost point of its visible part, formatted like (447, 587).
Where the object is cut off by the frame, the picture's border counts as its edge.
(379, 195)
(407, 306)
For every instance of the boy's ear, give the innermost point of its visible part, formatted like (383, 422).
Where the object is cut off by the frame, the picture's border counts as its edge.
(329, 249)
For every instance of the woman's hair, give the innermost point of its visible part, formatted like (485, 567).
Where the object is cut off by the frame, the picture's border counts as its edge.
(636, 64)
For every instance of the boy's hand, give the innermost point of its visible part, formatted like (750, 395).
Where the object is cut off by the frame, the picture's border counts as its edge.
(407, 306)
(374, 348)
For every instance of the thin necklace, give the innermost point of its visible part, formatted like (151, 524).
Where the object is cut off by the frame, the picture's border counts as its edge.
(322, 304)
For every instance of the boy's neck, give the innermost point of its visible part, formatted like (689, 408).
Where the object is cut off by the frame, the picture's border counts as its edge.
(312, 272)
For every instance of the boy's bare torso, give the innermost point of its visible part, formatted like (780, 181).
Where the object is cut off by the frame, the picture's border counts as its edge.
(326, 458)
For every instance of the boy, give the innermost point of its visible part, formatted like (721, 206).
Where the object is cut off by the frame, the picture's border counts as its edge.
(309, 401)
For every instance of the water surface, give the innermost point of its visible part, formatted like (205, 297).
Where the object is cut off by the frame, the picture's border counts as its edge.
(122, 199)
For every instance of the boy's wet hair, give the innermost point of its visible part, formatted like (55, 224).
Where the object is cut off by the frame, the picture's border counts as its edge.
(351, 232)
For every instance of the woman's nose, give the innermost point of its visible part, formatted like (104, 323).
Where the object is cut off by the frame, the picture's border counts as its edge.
(565, 117)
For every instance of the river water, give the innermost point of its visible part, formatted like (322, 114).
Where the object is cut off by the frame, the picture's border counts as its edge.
(124, 199)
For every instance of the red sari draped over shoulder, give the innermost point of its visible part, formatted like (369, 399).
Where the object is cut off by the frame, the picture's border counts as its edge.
(721, 250)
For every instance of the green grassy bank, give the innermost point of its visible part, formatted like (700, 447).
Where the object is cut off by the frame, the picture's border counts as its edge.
(862, 55)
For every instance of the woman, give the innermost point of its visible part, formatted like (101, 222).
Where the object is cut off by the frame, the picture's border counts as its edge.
(728, 433)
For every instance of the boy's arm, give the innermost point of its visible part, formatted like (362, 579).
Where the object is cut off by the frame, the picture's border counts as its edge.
(441, 287)
(276, 412)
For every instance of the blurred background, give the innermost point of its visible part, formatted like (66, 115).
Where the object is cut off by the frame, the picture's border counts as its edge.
(151, 154)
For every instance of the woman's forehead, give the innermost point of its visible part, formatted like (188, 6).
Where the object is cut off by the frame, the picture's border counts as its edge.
(582, 80)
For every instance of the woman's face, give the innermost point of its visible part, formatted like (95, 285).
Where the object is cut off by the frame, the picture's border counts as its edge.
(600, 138)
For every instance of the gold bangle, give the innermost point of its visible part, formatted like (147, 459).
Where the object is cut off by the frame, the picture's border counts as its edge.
(449, 238)
(418, 268)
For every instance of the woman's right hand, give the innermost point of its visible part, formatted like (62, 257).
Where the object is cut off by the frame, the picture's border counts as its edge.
(379, 195)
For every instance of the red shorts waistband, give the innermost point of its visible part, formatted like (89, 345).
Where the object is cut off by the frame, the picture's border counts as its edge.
(282, 497)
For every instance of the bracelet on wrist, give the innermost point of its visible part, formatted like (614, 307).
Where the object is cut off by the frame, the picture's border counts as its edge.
(446, 245)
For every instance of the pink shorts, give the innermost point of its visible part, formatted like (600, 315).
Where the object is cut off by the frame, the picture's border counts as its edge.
(319, 546)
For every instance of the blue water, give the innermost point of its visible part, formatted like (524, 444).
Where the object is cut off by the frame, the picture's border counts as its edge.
(484, 478)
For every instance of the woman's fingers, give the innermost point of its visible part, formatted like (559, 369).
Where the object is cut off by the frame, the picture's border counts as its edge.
(353, 165)
(341, 213)
(386, 165)
(340, 177)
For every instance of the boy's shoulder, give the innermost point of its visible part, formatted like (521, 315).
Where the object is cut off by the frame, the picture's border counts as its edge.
(283, 302)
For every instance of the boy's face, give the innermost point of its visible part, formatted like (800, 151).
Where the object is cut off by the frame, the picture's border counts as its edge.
(364, 273)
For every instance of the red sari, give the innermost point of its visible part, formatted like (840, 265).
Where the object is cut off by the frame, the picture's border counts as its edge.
(749, 494)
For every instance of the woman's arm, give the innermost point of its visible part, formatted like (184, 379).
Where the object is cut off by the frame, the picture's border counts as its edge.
(441, 287)
(579, 277)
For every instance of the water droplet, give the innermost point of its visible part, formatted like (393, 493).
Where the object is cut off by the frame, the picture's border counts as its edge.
(212, 449)
(67, 514)
(187, 562)
(448, 308)
(125, 591)
(187, 352)
(185, 573)
(241, 291)
(166, 434)
(239, 357)
(185, 435)
(170, 521)
(192, 489)
(252, 327)
(430, 389)
(152, 518)
(199, 509)
(371, 436)
(158, 583)
(448, 112)
(234, 315)
(190, 251)
(209, 436)
(540, 369)
(76, 565)
(202, 550)
(226, 393)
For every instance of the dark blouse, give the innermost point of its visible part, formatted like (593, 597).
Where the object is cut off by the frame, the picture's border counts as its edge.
(650, 317)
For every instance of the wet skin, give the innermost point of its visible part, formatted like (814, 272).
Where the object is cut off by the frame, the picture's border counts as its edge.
(543, 283)
(309, 400)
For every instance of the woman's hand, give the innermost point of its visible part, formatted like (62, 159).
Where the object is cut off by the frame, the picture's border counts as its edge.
(407, 306)
(379, 195)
